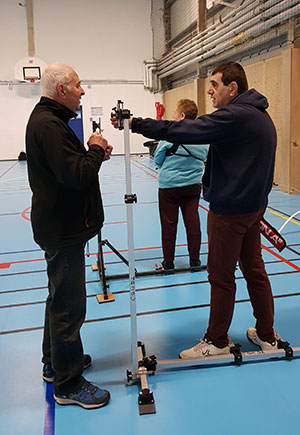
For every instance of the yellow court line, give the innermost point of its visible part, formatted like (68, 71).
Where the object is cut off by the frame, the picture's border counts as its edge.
(283, 217)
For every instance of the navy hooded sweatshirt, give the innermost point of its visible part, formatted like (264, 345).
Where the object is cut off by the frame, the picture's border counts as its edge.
(240, 164)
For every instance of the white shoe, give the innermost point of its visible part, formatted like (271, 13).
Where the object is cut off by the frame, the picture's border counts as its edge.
(204, 349)
(264, 345)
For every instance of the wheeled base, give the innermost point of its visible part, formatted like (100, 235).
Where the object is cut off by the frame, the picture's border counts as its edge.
(149, 365)
(145, 366)
(158, 270)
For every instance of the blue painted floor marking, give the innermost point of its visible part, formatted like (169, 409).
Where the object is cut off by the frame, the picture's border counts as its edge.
(49, 422)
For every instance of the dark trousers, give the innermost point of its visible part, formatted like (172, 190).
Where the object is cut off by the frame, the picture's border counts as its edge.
(186, 199)
(233, 238)
(64, 315)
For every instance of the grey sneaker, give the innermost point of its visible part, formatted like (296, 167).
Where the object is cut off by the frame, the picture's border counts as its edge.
(88, 396)
(264, 345)
(204, 349)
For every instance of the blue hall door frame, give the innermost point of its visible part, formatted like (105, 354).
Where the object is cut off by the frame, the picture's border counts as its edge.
(76, 124)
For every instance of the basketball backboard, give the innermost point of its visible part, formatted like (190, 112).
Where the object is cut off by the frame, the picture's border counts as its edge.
(29, 69)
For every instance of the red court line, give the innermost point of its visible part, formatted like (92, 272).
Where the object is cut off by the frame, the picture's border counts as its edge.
(7, 265)
(147, 249)
(23, 214)
(201, 206)
(148, 173)
(281, 258)
(115, 223)
(4, 265)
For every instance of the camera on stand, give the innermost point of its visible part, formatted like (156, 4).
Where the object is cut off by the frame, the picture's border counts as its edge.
(120, 113)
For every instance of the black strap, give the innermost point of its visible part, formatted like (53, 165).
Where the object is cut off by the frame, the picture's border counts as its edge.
(173, 151)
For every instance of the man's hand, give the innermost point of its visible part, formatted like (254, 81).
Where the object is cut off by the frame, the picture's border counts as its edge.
(97, 139)
(114, 122)
(108, 152)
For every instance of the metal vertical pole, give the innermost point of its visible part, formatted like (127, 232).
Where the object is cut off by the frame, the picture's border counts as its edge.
(145, 399)
(130, 236)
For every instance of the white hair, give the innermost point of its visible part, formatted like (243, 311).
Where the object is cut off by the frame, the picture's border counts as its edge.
(53, 74)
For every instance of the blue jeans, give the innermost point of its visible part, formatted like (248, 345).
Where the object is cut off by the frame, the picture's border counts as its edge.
(64, 315)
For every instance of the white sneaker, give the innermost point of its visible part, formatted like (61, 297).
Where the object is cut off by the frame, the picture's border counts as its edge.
(264, 345)
(203, 349)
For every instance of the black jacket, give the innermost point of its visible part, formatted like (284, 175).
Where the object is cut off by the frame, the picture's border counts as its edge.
(240, 165)
(63, 176)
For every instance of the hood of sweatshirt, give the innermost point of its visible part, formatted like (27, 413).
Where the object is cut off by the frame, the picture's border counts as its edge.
(251, 98)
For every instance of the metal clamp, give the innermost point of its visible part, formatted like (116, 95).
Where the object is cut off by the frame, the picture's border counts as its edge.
(130, 198)
(235, 350)
(285, 345)
(149, 363)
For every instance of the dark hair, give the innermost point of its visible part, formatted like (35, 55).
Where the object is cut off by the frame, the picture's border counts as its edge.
(188, 107)
(233, 72)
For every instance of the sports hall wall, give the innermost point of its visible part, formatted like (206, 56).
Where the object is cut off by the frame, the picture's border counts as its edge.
(277, 77)
(105, 41)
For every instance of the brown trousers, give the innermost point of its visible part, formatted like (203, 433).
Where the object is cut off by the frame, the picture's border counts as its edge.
(232, 239)
(187, 199)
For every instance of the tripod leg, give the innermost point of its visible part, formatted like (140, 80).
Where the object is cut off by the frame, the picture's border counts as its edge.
(105, 297)
(116, 252)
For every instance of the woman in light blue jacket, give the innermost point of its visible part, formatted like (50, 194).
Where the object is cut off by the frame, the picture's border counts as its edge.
(180, 173)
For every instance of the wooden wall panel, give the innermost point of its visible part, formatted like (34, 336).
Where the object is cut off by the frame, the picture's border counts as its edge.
(295, 123)
(273, 92)
(286, 120)
(173, 95)
(278, 79)
(256, 76)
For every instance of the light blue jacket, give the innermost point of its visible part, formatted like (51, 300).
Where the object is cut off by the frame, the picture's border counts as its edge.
(180, 170)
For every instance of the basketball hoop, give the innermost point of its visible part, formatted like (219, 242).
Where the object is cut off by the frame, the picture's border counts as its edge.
(31, 79)
(31, 73)
(29, 70)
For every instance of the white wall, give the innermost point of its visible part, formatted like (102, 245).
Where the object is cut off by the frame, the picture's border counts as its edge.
(102, 40)
(13, 37)
(15, 107)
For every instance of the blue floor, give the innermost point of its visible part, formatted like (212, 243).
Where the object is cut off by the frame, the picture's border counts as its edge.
(254, 398)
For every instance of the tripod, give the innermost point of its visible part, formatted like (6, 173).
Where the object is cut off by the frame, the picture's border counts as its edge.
(100, 266)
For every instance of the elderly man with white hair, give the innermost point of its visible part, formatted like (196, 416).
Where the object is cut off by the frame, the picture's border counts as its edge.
(66, 212)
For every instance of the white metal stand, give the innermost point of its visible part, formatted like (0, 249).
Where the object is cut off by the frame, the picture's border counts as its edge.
(146, 401)
(129, 199)
(142, 366)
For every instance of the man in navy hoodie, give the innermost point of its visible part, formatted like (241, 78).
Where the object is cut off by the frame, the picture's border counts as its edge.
(237, 180)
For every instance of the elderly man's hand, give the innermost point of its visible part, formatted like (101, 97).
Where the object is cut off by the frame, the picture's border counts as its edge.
(108, 152)
(97, 139)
